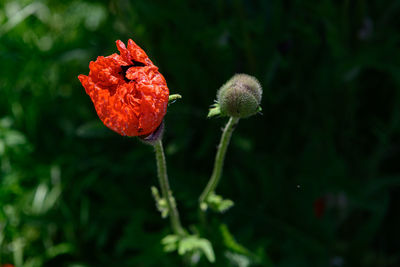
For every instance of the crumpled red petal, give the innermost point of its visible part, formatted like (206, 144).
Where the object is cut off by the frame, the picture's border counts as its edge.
(129, 93)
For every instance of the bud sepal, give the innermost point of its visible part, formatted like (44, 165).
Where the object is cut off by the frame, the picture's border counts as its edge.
(214, 110)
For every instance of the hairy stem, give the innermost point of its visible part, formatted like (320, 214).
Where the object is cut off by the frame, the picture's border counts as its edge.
(219, 159)
(165, 189)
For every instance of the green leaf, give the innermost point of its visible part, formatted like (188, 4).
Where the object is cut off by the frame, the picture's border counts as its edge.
(170, 239)
(214, 111)
(170, 243)
(231, 243)
(237, 259)
(237, 253)
(191, 244)
(218, 203)
(194, 243)
(63, 248)
(14, 138)
(207, 249)
(161, 203)
(203, 206)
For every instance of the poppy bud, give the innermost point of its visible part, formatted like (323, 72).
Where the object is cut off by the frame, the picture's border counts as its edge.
(240, 96)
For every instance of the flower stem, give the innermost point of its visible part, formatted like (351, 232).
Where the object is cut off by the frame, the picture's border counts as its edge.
(219, 160)
(165, 189)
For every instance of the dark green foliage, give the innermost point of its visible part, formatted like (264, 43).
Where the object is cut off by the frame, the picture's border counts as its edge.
(315, 179)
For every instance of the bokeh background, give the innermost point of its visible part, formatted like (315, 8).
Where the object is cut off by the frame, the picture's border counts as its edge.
(315, 177)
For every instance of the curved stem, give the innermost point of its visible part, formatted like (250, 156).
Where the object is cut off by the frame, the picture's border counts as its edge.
(219, 159)
(165, 189)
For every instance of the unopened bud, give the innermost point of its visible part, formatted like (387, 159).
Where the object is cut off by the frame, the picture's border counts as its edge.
(240, 96)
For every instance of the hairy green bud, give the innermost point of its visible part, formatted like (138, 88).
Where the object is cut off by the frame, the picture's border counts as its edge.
(240, 96)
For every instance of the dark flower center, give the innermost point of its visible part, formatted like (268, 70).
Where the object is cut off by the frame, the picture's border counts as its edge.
(137, 63)
(124, 69)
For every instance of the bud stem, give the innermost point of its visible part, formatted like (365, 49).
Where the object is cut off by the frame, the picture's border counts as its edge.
(219, 160)
(165, 189)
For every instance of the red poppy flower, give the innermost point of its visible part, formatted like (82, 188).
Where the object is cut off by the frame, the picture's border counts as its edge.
(129, 94)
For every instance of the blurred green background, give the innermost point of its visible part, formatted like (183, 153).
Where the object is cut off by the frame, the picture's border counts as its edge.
(315, 178)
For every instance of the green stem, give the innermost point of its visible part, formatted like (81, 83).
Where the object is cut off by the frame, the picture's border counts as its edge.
(165, 189)
(219, 159)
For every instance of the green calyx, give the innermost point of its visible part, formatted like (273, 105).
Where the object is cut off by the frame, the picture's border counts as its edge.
(240, 96)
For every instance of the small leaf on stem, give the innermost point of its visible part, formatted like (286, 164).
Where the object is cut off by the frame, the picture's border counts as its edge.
(161, 203)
